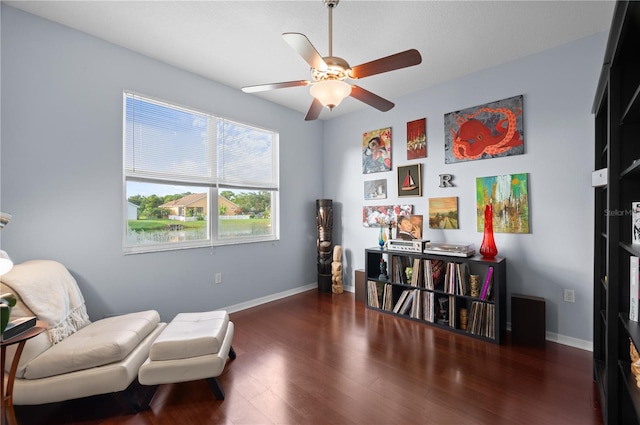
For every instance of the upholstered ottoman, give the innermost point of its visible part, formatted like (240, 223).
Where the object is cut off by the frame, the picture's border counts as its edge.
(193, 346)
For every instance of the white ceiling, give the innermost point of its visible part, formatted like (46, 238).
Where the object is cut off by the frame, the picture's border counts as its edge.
(239, 43)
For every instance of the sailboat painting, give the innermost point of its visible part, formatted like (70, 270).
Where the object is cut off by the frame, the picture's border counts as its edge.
(410, 180)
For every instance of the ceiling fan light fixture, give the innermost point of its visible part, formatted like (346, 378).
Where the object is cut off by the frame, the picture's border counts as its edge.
(330, 92)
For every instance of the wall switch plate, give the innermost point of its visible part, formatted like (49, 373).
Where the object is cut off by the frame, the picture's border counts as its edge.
(569, 296)
(218, 278)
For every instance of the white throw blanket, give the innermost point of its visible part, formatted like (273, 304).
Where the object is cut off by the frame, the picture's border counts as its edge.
(52, 294)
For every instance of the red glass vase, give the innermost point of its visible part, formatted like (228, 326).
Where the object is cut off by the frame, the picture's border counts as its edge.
(488, 248)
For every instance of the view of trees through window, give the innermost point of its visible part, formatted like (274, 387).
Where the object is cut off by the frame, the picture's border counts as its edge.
(183, 216)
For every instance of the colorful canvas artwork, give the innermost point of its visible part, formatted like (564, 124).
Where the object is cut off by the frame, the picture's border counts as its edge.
(486, 131)
(443, 213)
(410, 180)
(509, 197)
(376, 151)
(417, 139)
(374, 216)
(409, 227)
(375, 189)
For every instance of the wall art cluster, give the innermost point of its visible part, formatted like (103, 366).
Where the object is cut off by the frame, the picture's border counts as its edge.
(490, 130)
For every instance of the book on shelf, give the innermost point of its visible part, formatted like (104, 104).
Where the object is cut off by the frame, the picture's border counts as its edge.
(452, 283)
(486, 287)
(17, 326)
(416, 308)
(433, 271)
(634, 287)
(372, 294)
(457, 278)
(387, 297)
(463, 278)
(417, 275)
(438, 271)
(408, 302)
(449, 275)
(428, 277)
(635, 223)
(401, 300)
(482, 319)
(453, 317)
(428, 312)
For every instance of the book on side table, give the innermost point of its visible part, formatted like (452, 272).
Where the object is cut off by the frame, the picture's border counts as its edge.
(17, 326)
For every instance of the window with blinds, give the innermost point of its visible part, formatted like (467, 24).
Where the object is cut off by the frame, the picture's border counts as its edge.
(193, 179)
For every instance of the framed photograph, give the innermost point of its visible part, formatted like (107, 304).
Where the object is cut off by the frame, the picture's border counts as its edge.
(443, 213)
(410, 180)
(485, 131)
(409, 227)
(376, 151)
(508, 195)
(373, 216)
(417, 139)
(375, 189)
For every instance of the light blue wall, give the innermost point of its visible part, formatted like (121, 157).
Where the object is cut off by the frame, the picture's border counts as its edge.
(558, 87)
(61, 175)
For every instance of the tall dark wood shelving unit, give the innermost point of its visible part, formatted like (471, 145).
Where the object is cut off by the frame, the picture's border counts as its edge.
(617, 149)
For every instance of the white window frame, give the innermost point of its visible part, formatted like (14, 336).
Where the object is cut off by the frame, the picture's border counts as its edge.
(213, 186)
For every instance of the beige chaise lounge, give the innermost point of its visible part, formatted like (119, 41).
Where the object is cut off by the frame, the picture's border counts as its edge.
(78, 358)
(75, 357)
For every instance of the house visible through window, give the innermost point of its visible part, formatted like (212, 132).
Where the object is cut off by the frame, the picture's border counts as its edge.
(193, 179)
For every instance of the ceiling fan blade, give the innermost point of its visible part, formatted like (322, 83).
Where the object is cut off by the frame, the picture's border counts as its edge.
(389, 63)
(371, 99)
(273, 86)
(303, 46)
(314, 110)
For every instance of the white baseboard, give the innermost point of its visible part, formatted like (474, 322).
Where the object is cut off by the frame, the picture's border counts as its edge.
(570, 341)
(263, 300)
(564, 340)
(549, 336)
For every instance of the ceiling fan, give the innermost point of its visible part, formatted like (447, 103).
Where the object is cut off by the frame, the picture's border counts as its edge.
(328, 74)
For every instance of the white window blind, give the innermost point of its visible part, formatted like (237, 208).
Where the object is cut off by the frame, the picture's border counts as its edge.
(168, 142)
(235, 168)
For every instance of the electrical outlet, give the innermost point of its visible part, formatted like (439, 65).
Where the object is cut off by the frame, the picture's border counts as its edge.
(569, 296)
(218, 278)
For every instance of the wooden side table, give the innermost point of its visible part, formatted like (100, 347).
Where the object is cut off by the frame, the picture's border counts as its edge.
(8, 414)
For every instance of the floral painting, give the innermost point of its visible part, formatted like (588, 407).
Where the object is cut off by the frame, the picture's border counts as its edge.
(443, 213)
(376, 151)
(376, 216)
(486, 131)
(417, 139)
(509, 197)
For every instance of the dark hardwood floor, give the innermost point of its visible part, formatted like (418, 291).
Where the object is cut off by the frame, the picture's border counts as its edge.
(318, 358)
